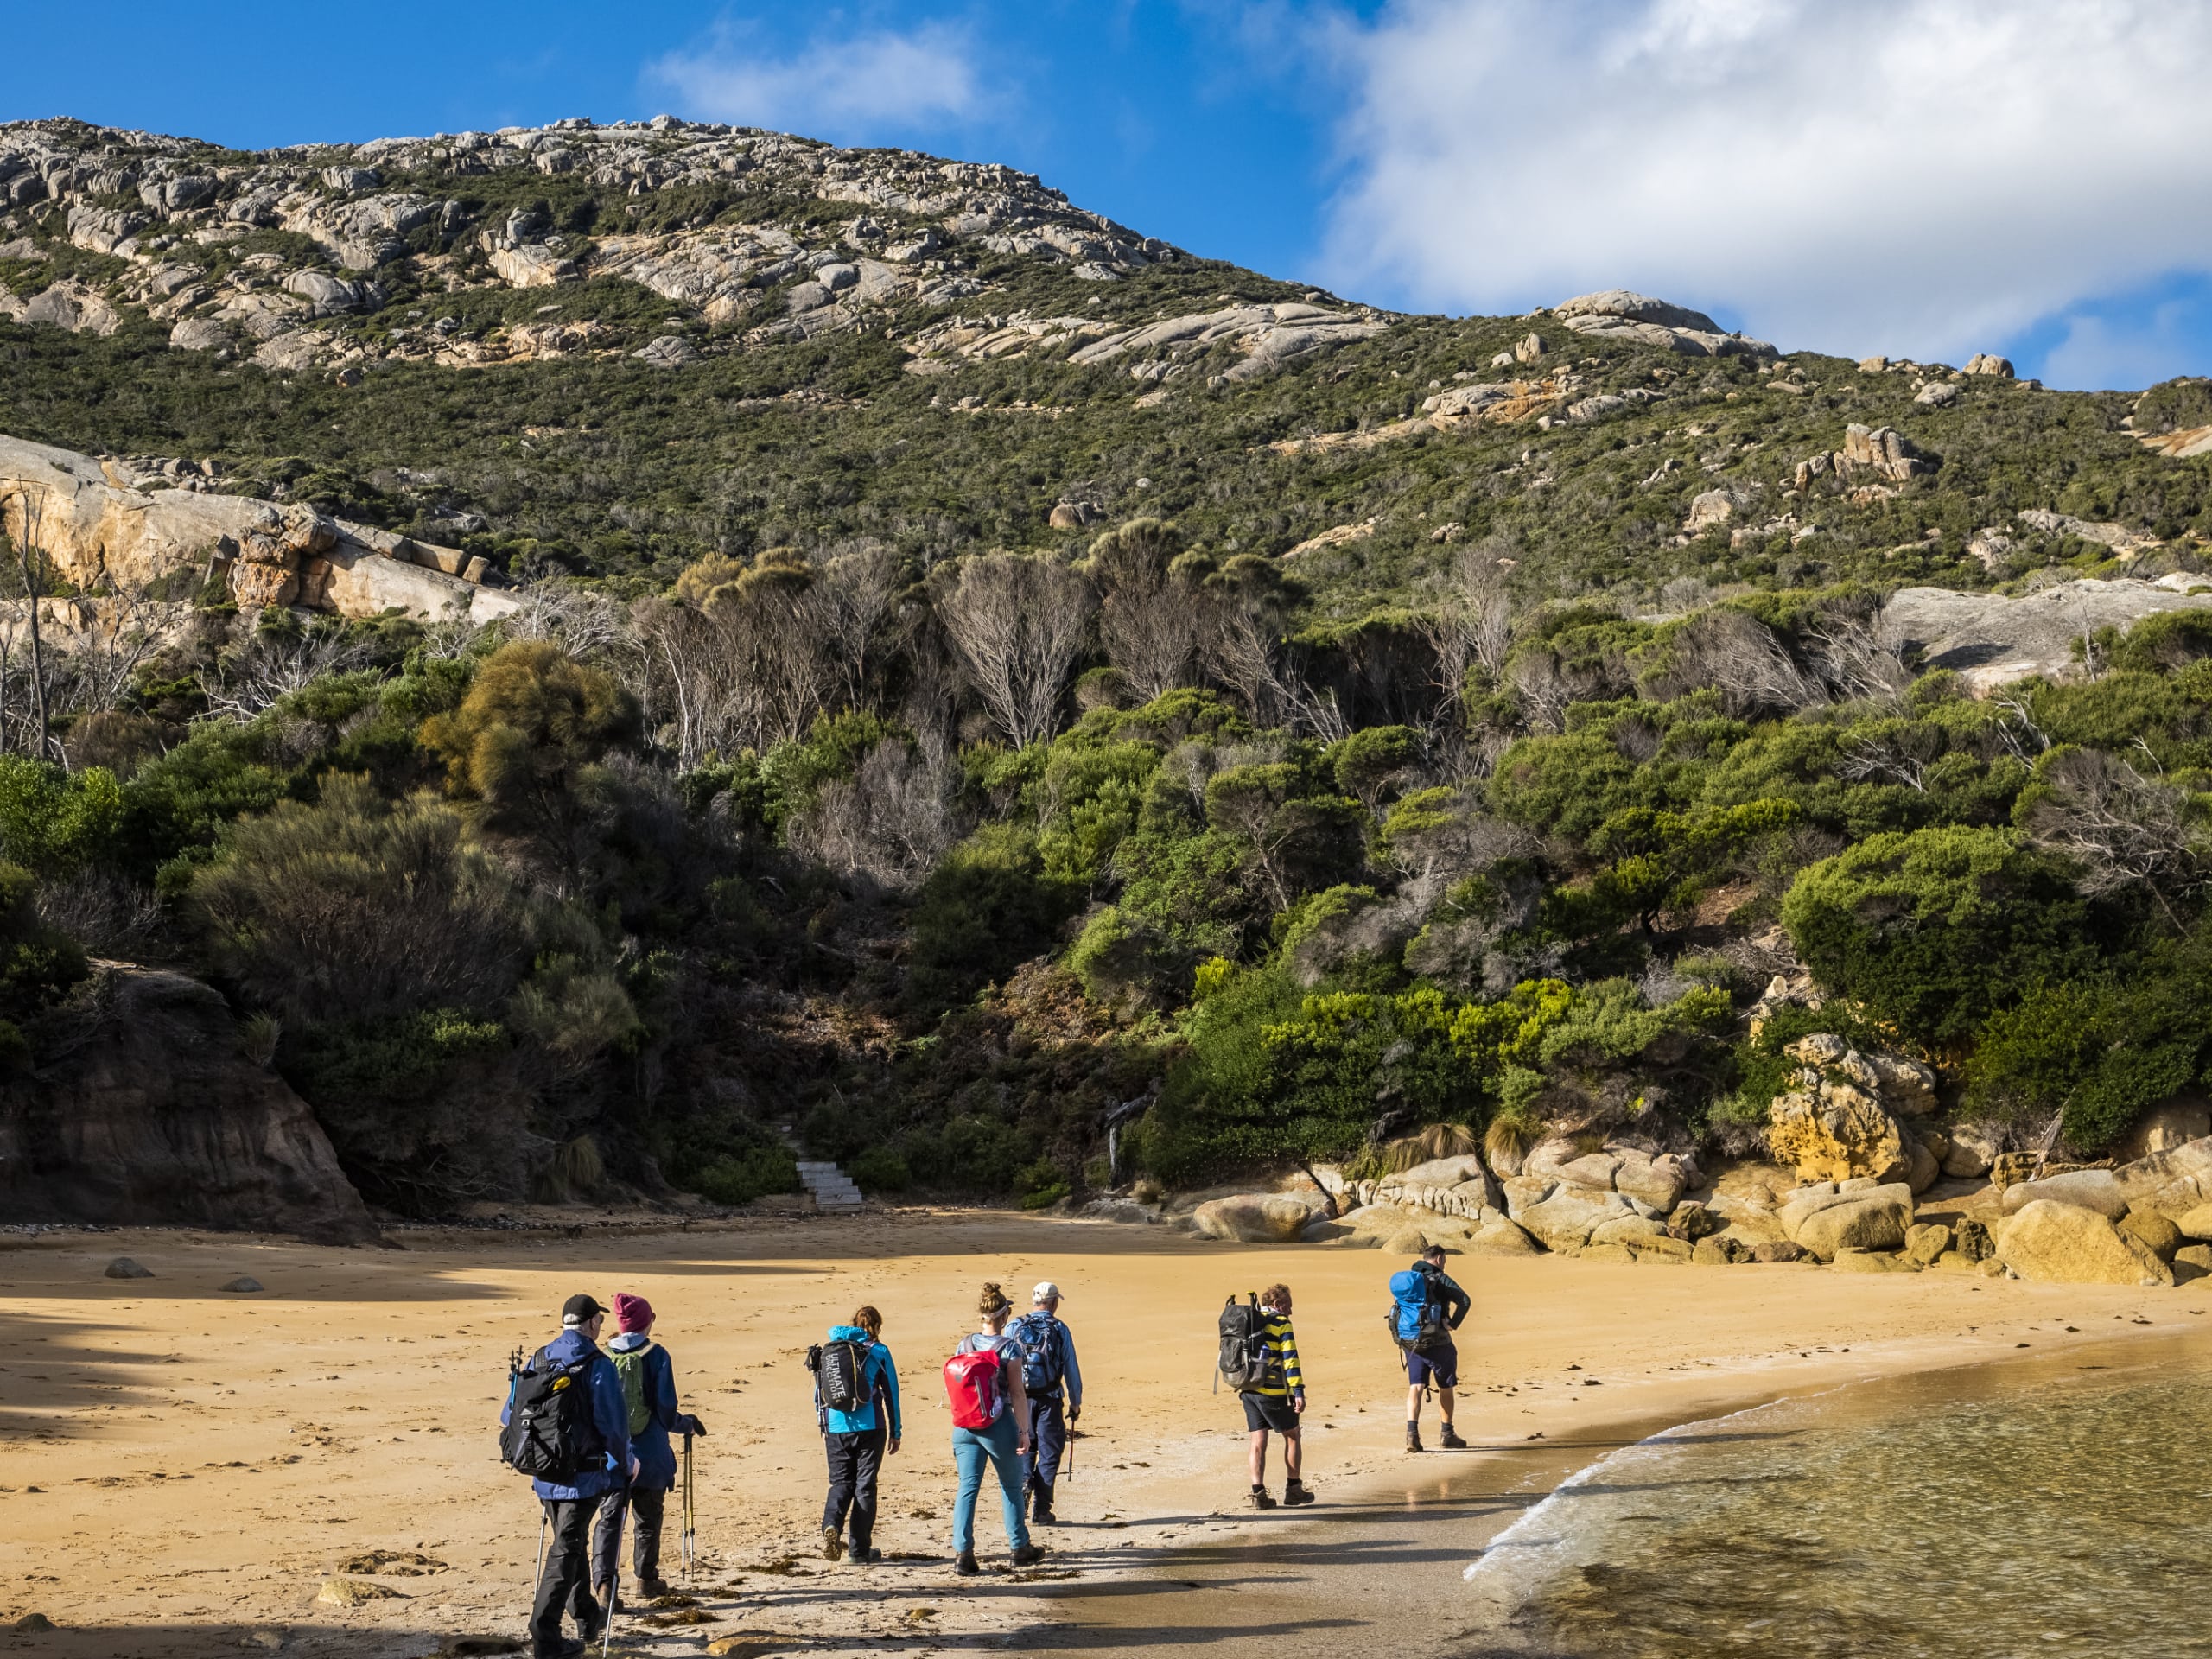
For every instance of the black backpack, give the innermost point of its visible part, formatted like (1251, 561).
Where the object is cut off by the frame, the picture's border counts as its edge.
(550, 1433)
(1247, 1363)
(840, 1375)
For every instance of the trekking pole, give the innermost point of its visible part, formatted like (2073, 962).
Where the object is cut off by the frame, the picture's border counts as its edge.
(538, 1572)
(614, 1577)
(690, 1513)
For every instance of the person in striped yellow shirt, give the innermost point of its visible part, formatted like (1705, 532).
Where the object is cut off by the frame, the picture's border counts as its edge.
(1276, 1401)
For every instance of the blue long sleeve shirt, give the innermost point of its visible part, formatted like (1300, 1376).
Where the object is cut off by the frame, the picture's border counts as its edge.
(656, 1456)
(881, 1378)
(609, 1414)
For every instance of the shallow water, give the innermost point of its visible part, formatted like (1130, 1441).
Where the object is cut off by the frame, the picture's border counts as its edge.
(2059, 1509)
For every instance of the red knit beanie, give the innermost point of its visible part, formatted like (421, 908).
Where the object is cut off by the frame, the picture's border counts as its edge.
(632, 1312)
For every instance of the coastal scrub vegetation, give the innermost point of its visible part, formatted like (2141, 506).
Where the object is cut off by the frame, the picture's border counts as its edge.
(808, 855)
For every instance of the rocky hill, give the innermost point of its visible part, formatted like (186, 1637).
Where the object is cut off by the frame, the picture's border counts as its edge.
(617, 649)
(698, 339)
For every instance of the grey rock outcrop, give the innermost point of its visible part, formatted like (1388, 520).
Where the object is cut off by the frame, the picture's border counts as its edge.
(144, 1111)
(1270, 336)
(1616, 314)
(105, 522)
(1991, 641)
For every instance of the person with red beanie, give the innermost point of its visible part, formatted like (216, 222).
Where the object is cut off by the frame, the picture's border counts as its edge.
(649, 1390)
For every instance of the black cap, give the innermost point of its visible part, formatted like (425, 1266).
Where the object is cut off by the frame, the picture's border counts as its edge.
(577, 1309)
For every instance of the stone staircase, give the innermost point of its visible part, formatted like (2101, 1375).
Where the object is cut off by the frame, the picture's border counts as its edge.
(832, 1188)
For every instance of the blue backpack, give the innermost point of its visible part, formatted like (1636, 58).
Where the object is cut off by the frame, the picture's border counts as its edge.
(1044, 1366)
(1416, 1317)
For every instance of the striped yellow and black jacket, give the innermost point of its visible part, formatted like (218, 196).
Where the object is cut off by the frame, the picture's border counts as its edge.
(1282, 1354)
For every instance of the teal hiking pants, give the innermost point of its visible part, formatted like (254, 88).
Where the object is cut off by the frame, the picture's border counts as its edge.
(971, 1449)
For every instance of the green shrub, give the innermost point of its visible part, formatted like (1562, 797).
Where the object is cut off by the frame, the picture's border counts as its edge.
(987, 907)
(879, 1169)
(1931, 931)
(739, 1177)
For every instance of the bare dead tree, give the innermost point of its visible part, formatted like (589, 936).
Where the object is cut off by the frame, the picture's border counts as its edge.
(2120, 827)
(1017, 623)
(1893, 754)
(1473, 626)
(267, 668)
(116, 632)
(2016, 730)
(1860, 659)
(890, 821)
(1149, 617)
(853, 596)
(29, 545)
(1545, 692)
(1738, 657)
(742, 653)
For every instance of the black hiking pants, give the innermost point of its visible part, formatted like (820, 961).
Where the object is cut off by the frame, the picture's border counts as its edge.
(563, 1585)
(1048, 1440)
(647, 1505)
(856, 1461)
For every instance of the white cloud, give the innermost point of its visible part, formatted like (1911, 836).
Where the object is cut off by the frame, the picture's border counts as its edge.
(865, 86)
(1920, 177)
(2139, 346)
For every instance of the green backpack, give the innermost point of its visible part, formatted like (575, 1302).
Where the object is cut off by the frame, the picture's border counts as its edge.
(630, 1368)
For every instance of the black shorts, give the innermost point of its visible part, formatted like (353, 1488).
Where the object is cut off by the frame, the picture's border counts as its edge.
(1270, 1411)
(1438, 1367)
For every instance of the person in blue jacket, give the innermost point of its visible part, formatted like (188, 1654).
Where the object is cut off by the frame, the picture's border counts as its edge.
(563, 1584)
(648, 1378)
(1051, 1365)
(858, 1441)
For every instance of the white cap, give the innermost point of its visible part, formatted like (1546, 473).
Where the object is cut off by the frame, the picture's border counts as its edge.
(1047, 1291)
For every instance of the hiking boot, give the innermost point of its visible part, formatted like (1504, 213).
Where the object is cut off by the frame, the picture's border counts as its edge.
(1043, 1517)
(1259, 1498)
(1295, 1494)
(1029, 1555)
(865, 1557)
(833, 1544)
(1452, 1442)
(653, 1589)
(566, 1647)
(1412, 1439)
(964, 1564)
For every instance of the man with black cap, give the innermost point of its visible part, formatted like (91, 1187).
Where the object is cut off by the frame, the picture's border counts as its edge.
(565, 1582)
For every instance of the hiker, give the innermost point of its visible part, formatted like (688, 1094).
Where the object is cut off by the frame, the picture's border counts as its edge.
(648, 1379)
(856, 1401)
(991, 1424)
(1276, 1400)
(585, 1453)
(1050, 1350)
(1426, 1306)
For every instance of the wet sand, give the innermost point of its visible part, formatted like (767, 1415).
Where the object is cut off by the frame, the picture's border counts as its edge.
(204, 1461)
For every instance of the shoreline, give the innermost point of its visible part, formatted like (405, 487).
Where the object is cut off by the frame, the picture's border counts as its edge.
(1486, 1506)
(346, 1410)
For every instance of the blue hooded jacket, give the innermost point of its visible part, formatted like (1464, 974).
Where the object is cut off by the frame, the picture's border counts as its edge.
(881, 1377)
(656, 1457)
(608, 1414)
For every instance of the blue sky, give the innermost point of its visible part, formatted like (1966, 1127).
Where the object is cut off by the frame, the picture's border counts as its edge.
(1919, 177)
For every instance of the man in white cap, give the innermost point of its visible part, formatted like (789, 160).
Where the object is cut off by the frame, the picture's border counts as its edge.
(1049, 1365)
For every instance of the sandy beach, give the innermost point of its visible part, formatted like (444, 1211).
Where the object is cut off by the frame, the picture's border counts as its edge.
(186, 1467)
